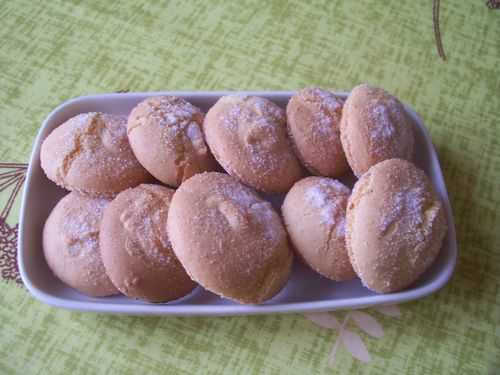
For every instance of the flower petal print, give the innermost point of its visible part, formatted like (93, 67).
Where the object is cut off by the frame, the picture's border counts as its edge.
(354, 345)
(389, 310)
(351, 341)
(323, 319)
(367, 323)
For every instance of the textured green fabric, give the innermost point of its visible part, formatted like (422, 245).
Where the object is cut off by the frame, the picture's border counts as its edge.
(51, 51)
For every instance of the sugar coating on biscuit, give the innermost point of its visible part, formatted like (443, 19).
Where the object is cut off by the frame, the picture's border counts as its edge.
(71, 244)
(141, 220)
(247, 136)
(91, 133)
(330, 104)
(375, 127)
(166, 136)
(135, 247)
(260, 137)
(319, 196)
(385, 117)
(166, 111)
(241, 207)
(314, 214)
(90, 153)
(395, 225)
(81, 231)
(228, 239)
(313, 122)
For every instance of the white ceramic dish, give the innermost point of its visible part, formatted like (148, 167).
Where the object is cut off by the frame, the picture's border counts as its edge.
(305, 291)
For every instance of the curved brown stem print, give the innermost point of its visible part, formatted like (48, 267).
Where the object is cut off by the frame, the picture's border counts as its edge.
(437, 29)
(12, 176)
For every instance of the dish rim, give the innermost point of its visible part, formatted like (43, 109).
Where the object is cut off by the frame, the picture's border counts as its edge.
(101, 306)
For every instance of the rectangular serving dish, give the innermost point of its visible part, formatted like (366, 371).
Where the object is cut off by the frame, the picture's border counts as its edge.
(306, 291)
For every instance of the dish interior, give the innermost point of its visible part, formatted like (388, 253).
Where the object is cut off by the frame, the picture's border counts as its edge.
(305, 291)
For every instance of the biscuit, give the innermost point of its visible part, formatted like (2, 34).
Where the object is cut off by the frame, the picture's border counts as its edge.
(313, 120)
(228, 239)
(135, 248)
(248, 137)
(165, 133)
(90, 153)
(375, 127)
(314, 213)
(395, 225)
(71, 244)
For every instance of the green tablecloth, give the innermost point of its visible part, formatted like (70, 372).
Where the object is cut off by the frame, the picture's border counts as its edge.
(53, 50)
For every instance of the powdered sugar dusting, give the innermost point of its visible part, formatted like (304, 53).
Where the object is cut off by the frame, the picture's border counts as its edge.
(341, 225)
(80, 229)
(405, 208)
(259, 126)
(237, 193)
(327, 117)
(170, 110)
(178, 120)
(327, 99)
(195, 137)
(383, 128)
(317, 197)
(193, 132)
(80, 121)
(145, 222)
(265, 215)
(98, 144)
(238, 204)
(169, 118)
(324, 196)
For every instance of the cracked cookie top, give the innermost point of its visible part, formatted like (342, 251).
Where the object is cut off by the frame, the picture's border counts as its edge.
(90, 153)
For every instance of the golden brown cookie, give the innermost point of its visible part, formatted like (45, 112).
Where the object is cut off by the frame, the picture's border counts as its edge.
(228, 239)
(313, 119)
(90, 153)
(314, 214)
(375, 127)
(135, 248)
(395, 225)
(248, 137)
(71, 244)
(165, 133)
